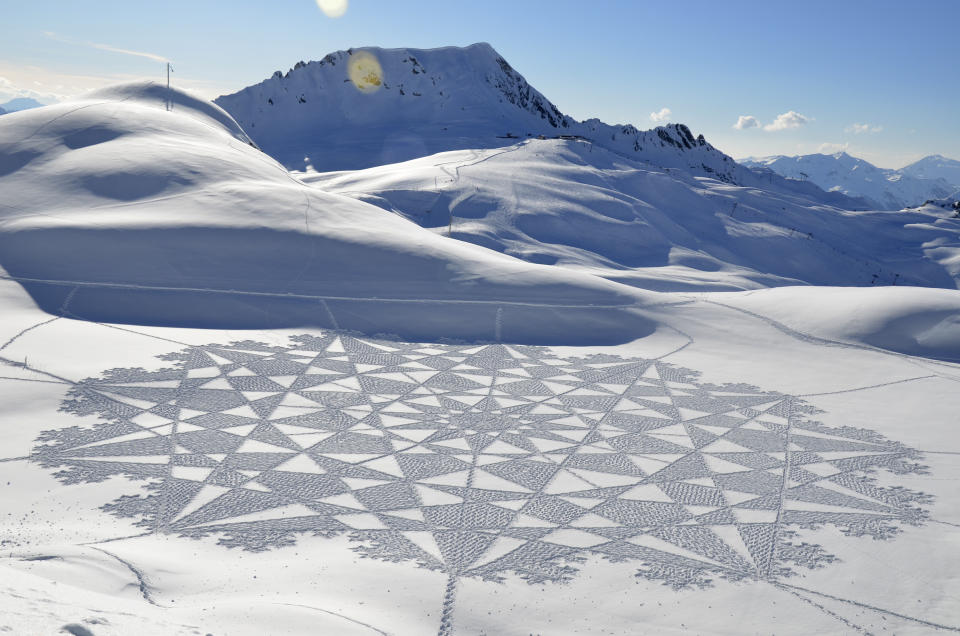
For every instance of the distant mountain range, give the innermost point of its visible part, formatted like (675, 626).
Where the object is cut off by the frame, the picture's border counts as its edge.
(933, 177)
(935, 167)
(19, 103)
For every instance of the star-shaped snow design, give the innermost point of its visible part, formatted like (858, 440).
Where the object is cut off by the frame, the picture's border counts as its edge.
(478, 460)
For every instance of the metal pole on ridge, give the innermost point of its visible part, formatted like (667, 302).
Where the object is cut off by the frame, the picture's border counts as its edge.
(169, 102)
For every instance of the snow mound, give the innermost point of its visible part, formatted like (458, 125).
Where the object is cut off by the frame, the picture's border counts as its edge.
(917, 322)
(139, 205)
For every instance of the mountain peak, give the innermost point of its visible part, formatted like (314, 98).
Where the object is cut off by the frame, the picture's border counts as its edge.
(371, 106)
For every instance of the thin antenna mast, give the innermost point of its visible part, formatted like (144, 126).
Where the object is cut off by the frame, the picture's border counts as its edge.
(169, 102)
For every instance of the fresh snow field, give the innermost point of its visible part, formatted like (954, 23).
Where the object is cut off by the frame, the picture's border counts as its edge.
(401, 373)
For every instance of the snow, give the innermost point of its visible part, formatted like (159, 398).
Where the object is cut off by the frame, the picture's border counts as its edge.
(935, 167)
(742, 418)
(880, 188)
(157, 211)
(583, 207)
(433, 100)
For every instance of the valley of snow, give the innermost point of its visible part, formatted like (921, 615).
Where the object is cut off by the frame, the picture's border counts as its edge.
(398, 379)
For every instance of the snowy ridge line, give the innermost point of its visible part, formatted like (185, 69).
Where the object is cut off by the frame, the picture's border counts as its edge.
(784, 586)
(61, 116)
(239, 292)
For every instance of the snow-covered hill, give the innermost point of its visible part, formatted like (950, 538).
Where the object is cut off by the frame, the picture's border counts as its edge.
(114, 208)
(883, 189)
(568, 203)
(935, 167)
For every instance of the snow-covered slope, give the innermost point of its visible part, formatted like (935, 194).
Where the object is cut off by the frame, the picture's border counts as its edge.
(883, 189)
(935, 167)
(574, 204)
(114, 208)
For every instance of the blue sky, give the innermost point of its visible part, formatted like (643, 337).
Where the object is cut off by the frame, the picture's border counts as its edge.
(876, 77)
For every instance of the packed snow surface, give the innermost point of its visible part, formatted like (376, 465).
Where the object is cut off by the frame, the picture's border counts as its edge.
(241, 400)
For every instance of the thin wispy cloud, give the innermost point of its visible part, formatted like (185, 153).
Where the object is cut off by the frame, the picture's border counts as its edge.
(746, 121)
(787, 120)
(860, 129)
(106, 47)
(661, 115)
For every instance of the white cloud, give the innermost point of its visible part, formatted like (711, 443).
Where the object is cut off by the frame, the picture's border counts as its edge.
(830, 149)
(746, 121)
(789, 119)
(859, 129)
(107, 47)
(9, 90)
(661, 115)
(49, 85)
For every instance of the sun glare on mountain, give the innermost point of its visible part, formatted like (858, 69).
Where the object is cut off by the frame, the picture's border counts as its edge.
(365, 72)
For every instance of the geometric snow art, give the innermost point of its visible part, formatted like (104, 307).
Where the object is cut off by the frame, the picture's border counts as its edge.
(479, 461)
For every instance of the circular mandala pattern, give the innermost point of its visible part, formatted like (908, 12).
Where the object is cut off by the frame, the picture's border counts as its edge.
(479, 460)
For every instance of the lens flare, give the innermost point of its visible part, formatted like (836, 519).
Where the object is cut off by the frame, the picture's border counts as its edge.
(333, 8)
(365, 72)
